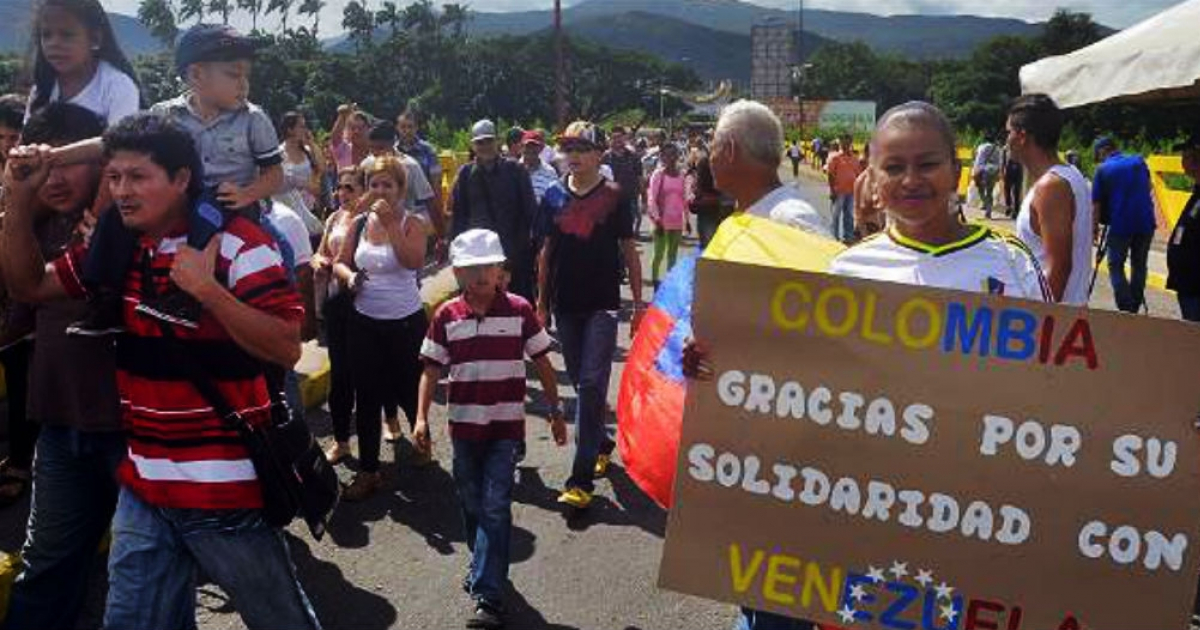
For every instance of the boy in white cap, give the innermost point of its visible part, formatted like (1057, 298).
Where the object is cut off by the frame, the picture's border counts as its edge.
(482, 337)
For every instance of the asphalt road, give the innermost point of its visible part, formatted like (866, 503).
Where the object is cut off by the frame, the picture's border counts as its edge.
(396, 560)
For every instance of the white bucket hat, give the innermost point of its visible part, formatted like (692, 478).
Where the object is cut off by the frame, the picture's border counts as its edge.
(476, 247)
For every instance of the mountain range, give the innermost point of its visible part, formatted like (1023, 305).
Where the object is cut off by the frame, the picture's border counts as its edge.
(17, 15)
(713, 36)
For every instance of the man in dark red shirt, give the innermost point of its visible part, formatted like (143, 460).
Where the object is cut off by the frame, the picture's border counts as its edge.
(189, 498)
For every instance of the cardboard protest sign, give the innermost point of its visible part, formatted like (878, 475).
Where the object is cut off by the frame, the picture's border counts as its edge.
(879, 456)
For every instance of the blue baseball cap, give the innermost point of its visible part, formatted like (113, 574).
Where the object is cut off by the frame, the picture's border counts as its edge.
(1102, 143)
(212, 42)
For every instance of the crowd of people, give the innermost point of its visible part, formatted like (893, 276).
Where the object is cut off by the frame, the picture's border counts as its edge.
(144, 246)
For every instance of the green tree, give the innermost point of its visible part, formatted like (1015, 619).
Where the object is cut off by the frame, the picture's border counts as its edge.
(254, 8)
(312, 8)
(975, 94)
(283, 8)
(390, 16)
(455, 17)
(158, 16)
(1068, 31)
(359, 24)
(221, 7)
(189, 9)
(157, 77)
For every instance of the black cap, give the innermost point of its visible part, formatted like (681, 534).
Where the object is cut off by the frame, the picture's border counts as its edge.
(212, 42)
(1191, 143)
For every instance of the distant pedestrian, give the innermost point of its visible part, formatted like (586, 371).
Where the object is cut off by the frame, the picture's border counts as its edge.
(303, 169)
(666, 203)
(541, 174)
(482, 338)
(843, 171)
(627, 171)
(710, 206)
(336, 309)
(410, 143)
(984, 173)
(1055, 220)
(794, 154)
(1183, 253)
(1124, 202)
(869, 215)
(348, 144)
(496, 194)
(1013, 175)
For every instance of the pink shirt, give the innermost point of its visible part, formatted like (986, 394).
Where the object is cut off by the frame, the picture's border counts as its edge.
(667, 200)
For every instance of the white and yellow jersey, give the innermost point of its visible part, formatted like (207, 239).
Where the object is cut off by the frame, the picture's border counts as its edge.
(983, 262)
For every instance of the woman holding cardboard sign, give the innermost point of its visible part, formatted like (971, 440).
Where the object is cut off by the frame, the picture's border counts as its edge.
(914, 172)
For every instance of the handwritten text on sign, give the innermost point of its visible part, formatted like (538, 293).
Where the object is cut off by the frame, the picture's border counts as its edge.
(881, 456)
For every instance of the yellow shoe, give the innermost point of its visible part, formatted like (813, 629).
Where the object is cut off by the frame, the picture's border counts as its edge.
(576, 498)
(602, 462)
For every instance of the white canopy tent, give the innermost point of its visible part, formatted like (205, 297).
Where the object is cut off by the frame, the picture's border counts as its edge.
(1155, 60)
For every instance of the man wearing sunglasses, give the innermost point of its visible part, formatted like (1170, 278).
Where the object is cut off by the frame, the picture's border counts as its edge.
(589, 240)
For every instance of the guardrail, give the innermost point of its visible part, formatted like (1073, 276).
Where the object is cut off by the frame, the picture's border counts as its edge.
(1170, 202)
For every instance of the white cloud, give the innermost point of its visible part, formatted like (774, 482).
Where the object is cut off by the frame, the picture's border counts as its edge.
(1115, 13)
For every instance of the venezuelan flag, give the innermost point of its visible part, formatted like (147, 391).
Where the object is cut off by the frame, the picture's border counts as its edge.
(653, 389)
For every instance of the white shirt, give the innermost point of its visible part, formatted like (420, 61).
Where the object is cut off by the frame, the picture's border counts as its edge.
(784, 205)
(1076, 293)
(418, 191)
(391, 290)
(542, 177)
(291, 226)
(983, 262)
(111, 94)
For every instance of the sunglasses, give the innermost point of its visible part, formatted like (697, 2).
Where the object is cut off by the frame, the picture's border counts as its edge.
(347, 188)
(577, 148)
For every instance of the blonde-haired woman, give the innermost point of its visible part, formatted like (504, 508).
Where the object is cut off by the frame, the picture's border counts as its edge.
(378, 264)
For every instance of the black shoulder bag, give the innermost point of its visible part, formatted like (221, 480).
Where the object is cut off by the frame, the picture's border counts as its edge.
(295, 477)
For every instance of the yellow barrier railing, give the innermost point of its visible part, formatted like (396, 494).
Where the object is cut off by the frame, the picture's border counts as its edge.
(1170, 202)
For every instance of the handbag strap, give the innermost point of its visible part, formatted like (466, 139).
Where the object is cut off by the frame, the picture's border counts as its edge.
(193, 371)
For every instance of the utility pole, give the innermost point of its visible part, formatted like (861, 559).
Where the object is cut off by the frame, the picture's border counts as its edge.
(560, 68)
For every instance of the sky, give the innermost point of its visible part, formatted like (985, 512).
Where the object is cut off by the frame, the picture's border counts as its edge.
(1115, 13)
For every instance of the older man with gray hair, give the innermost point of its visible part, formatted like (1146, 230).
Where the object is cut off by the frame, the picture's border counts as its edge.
(745, 155)
(747, 149)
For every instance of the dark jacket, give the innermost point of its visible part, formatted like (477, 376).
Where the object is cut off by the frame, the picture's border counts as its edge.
(1183, 252)
(499, 199)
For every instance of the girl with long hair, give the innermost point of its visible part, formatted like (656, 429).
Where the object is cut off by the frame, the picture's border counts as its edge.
(75, 58)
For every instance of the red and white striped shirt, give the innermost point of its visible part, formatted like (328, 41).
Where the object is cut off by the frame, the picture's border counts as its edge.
(486, 358)
(181, 455)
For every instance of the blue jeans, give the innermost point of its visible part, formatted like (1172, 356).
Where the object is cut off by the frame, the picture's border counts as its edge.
(156, 552)
(291, 392)
(758, 620)
(74, 494)
(588, 342)
(484, 473)
(1189, 307)
(843, 218)
(1131, 292)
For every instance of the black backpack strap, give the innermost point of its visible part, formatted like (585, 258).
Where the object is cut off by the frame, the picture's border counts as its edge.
(201, 381)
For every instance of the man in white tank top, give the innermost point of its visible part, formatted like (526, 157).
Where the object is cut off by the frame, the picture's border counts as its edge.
(1056, 217)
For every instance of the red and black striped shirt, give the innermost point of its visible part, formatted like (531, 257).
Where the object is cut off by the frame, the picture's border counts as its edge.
(181, 455)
